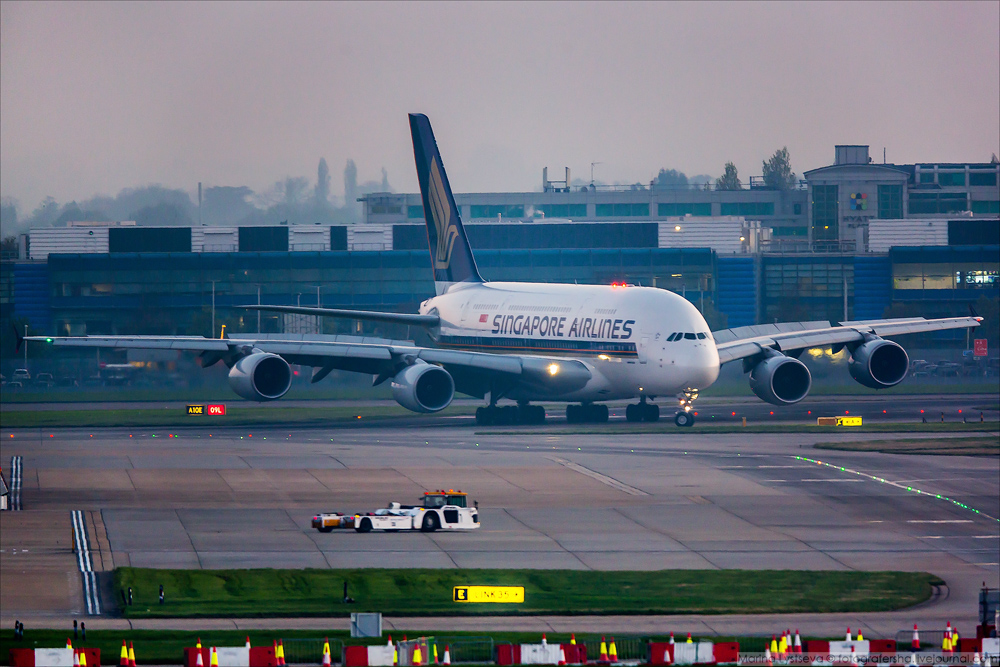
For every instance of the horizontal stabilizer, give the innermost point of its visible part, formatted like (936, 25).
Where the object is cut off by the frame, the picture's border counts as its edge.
(369, 315)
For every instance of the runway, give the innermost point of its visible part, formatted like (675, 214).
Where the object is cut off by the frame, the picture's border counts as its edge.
(199, 498)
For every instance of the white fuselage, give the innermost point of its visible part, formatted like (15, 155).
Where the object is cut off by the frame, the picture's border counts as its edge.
(620, 332)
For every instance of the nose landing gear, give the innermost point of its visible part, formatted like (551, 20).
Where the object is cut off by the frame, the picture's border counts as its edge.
(685, 416)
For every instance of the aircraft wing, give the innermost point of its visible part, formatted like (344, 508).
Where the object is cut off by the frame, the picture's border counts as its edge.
(368, 315)
(475, 373)
(744, 342)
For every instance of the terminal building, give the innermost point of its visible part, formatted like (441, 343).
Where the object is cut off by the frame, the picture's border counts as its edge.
(852, 240)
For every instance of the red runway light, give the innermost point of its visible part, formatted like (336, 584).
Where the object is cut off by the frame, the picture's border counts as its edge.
(734, 414)
(250, 435)
(809, 412)
(696, 414)
(921, 412)
(959, 412)
(883, 412)
(772, 412)
(847, 412)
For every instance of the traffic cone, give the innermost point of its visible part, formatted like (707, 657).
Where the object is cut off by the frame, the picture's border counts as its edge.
(861, 637)
(69, 644)
(281, 653)
(214, 662)
(854, 656)
(613, 651)
(848, 638)
(447, 655)
(671, 638)
(417, 658)
(954, 638)
(390, 641)
(572, 639)
(797, 647)
(123, 661)
(248, 643)
(562, 655)
(199, 661)
(915, 642)
(83, 658)
(689, 639)
(767, 655)
(774, 646)
(327, 660)
(976, 660)
(131, 654)
(76, 658)
(395, 656)
(197, 646)
(436, 651)
(782, 646)
(545, 642)
(604, 651)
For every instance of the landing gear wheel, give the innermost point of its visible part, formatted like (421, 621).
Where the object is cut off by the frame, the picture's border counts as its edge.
(651, 413)
(633, 412)
(484, 417)
(530, 414)
(431, 522)
(684, 419)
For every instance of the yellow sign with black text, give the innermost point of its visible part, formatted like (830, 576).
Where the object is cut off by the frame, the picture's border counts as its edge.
(505, 594)
(848, 421)
(196, 409)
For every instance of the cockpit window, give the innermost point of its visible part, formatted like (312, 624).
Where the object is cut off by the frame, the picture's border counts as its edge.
(702, 336)
(689, 336)
(672, 338)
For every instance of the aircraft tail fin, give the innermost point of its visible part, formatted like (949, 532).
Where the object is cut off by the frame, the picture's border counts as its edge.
(451, 254)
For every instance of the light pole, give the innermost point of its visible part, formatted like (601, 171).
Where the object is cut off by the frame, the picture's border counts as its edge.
(25, 347)
(258, 310)
(212, 334)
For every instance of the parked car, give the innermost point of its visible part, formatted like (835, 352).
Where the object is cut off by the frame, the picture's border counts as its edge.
(21, 375)
(44, 380)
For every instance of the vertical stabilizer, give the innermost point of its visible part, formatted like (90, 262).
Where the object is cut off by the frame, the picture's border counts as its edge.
(451, 255)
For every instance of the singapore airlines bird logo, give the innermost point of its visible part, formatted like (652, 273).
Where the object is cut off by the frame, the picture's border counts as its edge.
(447, 232)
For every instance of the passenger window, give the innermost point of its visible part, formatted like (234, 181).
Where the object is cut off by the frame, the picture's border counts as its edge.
(702, 336)
(689, 336)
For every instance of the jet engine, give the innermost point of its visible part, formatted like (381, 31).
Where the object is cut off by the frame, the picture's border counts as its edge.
(780, 380)
(879, 364)
(261, 376)
(423, 387)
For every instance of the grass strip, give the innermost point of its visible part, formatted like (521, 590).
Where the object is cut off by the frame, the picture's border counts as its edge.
(165, 647)
(253, 416)
(974, 446)
(668, 428)
(428, 592)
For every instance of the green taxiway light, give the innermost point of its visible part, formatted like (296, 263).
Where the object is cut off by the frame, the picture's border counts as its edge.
(48, 340)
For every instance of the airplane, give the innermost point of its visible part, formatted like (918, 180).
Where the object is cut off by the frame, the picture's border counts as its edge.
(530, 342)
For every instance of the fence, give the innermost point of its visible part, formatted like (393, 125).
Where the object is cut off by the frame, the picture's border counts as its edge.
(628, 647)
(310, 651)
(466, 650)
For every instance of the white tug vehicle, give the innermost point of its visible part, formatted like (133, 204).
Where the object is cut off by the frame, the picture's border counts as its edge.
(446, 510)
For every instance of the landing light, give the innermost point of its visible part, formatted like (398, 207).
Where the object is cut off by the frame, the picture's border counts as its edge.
(602, 356)
(553, 369)
(677, 228)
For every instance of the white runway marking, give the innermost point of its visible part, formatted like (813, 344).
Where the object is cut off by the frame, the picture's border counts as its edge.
(16, 474)
(603, 479)
(90, 592)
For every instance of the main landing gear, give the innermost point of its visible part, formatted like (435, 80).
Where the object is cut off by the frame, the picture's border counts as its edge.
(495, 415)
(642, 411)
(587, 413)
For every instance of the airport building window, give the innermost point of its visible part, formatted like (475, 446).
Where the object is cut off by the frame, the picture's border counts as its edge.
(787, 232)
(263, 239)
(973, 232)
(562, 210)
(951, 179)
(890, 202)
(824, 213)
(926, 177)
(149, 239)
(748, 208)
(988, 178)
(496, 211)
(415, 212)
(622, 210)
(672, 209)
(986, 207)
(937, 202)
(385, 209)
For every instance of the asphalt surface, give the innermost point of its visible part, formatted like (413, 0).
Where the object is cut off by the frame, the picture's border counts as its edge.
(210, 498)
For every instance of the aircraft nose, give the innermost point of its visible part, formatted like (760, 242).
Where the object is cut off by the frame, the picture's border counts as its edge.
(703, 365)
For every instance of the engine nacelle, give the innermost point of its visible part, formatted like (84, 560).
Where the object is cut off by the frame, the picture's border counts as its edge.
(261, 376)
(780, 380)
(879, 364)
(423, 388)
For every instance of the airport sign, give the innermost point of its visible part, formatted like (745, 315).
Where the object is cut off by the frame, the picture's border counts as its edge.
(979, 347)
(504, 594)
(219, 409)
(216, 410)
(196, 409)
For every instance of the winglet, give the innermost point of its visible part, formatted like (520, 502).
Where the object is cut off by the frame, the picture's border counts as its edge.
(973, 314)
(451, 254)
(18, 337)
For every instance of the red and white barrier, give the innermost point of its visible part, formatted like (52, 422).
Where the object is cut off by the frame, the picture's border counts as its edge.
(368, 656)
(539, 654)
(51, 657)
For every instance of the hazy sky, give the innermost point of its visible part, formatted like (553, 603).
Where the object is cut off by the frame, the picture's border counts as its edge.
(96, 97)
